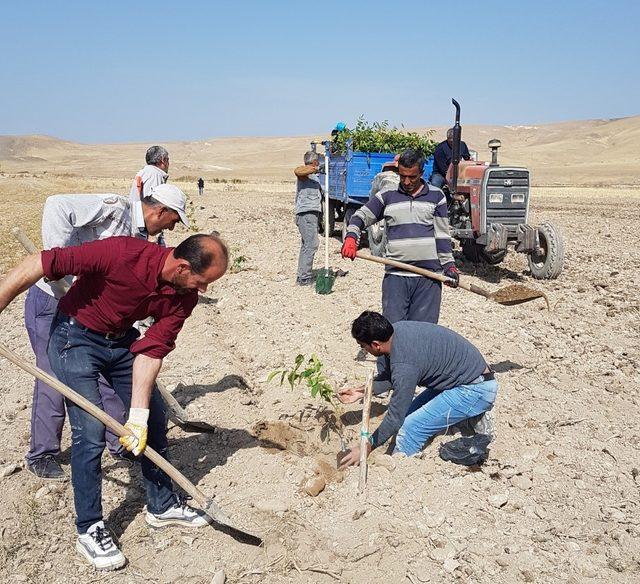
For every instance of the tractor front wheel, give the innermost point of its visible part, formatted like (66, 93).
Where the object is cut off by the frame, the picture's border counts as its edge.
(546, 262)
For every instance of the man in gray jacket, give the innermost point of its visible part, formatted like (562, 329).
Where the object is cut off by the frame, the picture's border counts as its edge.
(308, 207)
(70, 220)
(152, 175)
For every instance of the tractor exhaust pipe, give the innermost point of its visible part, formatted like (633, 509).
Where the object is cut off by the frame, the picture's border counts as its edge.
(457, 138)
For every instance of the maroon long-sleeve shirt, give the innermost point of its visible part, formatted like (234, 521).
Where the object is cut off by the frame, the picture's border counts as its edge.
(119, 283)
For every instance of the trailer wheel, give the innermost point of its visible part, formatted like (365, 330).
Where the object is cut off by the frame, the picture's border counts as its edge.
(348, 213)
(377, 237)
(332, 218)
(477, 253)
(547, 263)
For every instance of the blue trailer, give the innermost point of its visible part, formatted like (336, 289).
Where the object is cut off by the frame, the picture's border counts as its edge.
(350, 177)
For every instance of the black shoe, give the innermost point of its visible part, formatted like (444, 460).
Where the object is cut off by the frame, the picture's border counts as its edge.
(48, 468)
(309, 282)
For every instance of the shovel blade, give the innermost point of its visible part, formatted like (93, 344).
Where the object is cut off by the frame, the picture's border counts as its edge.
(517, 294)
(223, 523)
(324, 281)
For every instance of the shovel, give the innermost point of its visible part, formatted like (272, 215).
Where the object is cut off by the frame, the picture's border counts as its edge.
(507, 296)
(207, 504)
(177, 413)
(326, 278)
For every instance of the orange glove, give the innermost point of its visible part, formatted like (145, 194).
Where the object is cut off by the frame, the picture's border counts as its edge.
(349, 248)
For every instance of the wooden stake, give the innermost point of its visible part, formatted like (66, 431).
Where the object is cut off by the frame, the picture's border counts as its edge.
(364, 432)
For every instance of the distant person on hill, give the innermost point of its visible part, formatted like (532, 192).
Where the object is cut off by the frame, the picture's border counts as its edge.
(200, 186)
(152, 175)
(442, 157)
(308, 207)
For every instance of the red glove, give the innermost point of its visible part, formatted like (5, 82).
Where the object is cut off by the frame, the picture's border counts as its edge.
(349, 248)
(452, 272)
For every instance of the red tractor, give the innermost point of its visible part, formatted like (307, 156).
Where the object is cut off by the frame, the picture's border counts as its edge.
(489, 211)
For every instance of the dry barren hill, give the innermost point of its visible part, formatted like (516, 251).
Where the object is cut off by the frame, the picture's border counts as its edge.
(591, 152)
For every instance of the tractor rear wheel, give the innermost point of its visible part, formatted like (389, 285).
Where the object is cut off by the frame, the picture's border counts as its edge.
(377, 238)
(348, 213)
(547, 262)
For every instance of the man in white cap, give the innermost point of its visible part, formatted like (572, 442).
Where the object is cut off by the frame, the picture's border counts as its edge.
(153, 174)
(70, 220)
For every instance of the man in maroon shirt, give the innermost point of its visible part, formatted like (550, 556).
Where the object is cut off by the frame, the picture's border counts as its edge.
(120, 280)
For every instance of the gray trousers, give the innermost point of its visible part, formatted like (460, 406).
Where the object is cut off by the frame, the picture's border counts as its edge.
(308, 226)
(409, 298)
(47, 410)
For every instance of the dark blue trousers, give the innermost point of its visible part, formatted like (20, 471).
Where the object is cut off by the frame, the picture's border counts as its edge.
(411, 298)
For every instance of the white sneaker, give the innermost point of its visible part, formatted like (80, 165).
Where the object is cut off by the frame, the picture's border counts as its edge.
(99, 548)
(179, 514)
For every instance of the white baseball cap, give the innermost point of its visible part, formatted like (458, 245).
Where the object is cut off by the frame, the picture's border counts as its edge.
(172, 198)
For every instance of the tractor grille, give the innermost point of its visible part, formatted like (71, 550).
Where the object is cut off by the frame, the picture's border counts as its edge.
(507, 198)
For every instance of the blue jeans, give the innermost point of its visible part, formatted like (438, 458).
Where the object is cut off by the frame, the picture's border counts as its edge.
(78, 356)
(433, 412)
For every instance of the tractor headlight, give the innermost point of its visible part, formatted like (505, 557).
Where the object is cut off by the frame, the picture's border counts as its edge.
(495, 197)
(517, 198)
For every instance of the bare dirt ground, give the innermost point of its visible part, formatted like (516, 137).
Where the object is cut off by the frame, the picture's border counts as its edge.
(558, 500)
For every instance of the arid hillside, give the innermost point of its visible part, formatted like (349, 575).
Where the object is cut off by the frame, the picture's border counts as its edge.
(580, 153)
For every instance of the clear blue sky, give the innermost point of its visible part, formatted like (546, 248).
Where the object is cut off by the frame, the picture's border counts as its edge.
(123, 71)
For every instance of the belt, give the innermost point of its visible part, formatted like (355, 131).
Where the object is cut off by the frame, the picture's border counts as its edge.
(108, 336)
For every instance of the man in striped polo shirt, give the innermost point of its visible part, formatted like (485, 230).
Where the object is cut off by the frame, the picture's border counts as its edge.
(417, 228)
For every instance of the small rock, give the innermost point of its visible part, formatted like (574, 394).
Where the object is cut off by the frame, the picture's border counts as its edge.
(393, 541)
(521, 482)
(499, 500)
(219, 577)
(42, 492)
(434, 520)
(385, 461)
(357, 514)
(188, 540)
(450, 565)
(528, 576)
(314, 486)
(274, 506)
(9, 469)
(246, 400)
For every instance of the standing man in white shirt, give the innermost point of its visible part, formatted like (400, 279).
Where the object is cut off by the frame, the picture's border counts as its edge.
(153, 174)
(70, 220)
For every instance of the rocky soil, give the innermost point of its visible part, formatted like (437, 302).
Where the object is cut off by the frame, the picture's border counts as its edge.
(558, 500)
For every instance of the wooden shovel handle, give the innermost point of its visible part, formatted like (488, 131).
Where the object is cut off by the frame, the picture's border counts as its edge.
(427, 273)
(364, 432)
(108, 421)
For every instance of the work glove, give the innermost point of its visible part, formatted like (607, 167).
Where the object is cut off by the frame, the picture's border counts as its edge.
(136, 442)
(349, 247)
(452, 272)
